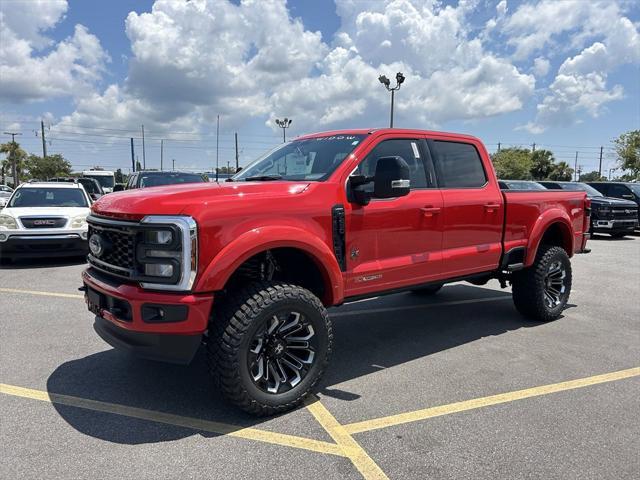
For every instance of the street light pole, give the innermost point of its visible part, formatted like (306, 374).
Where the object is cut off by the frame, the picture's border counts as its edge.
(387, 84)
(284, 124)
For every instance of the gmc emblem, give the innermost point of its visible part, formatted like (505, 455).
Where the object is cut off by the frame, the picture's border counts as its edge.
(44, 222)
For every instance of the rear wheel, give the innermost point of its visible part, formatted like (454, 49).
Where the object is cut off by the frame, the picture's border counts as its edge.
(430, 290)
(541, 291)
(268, 346)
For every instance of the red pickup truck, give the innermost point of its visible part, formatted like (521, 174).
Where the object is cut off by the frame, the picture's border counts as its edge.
(249, 266)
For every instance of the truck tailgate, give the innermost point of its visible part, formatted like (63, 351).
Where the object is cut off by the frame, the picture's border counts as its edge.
(529, 215)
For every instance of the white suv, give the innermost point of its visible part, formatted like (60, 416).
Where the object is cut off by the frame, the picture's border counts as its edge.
(45, 220)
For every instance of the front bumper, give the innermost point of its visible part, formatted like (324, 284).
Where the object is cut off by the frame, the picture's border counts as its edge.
(626, 225)
(17, 244)
(125, 318)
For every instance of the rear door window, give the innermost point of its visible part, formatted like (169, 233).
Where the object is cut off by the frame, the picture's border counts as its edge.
(458, 165)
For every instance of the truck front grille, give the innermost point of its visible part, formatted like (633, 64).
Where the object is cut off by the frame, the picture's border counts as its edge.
(43, 222)
(624, 213)
(118, 241)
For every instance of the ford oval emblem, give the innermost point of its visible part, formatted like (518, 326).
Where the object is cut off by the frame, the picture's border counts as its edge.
(96, 245)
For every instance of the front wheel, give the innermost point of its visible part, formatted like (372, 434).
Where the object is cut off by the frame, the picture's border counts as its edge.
(541, 291)
(268, 347)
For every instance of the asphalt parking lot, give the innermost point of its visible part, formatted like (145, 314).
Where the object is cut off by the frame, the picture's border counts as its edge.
(452, 386)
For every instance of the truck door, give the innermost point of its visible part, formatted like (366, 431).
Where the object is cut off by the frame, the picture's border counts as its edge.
(395, 242)
(473, 209)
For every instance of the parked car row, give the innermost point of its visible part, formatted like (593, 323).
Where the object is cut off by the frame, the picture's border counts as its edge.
(617, 214)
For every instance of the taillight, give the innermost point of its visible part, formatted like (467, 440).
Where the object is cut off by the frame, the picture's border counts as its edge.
(587, 214)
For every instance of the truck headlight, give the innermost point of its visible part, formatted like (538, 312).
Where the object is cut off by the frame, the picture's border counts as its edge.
(164, 270)
(168, 252)
(8, 223)
(79, 222)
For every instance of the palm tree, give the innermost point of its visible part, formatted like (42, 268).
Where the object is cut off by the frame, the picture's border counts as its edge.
(15, 160)
(562, 172)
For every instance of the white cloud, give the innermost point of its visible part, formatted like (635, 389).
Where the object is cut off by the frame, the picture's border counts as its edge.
(541, 67)
(580, 87)
(193, 60)
(69, 68)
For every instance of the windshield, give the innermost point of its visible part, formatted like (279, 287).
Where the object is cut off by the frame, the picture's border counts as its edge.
(635, 188)
(591, 192)
(48, 197)
(308, 159)
(4, 188)
(104, 180)
(89, 185)
(170, 179)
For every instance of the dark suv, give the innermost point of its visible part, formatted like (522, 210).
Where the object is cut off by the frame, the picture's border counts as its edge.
(624, 190)
(617, 217)
(156, 179)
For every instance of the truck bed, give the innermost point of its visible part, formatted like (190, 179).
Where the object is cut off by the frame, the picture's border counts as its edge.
(526, 214)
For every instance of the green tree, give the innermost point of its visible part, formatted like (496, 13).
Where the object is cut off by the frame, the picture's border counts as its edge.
(542, 164)
(592, 177)
(14, 162)
(627, 147)
(513, 163)
(561, 172)
(50, 166)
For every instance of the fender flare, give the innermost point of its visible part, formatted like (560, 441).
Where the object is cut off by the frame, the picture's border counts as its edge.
(543, 223)
(259, 239)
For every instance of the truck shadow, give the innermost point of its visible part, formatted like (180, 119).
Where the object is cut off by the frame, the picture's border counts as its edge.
(369, 336)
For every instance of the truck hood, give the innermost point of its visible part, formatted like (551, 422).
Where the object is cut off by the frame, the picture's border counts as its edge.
(613, 202)
(174, 199)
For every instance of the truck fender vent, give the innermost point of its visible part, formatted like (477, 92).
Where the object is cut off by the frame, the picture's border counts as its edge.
(338, 229)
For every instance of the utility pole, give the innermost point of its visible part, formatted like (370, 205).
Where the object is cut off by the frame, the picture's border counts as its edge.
(144, 157)
(498, 146)
(237, 165)
(385, 81)
(575, 168)
(44, 143)
(600, 164)
(173, 163)
(161, 153)
(217, 144)
(284, 124)
(533, 147)
(12, 157)
(133, 160)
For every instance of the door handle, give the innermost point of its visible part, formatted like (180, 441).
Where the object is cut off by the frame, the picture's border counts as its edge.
(491, 207)
(430, 211)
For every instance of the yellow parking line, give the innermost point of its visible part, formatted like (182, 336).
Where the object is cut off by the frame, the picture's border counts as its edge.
(37, 292)
(177, 420)
(423, 414)
(352, 449)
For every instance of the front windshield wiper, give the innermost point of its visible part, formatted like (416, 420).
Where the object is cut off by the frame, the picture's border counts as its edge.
(263, 178)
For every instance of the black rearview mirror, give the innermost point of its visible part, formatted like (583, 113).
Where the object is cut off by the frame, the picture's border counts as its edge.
(392, 178)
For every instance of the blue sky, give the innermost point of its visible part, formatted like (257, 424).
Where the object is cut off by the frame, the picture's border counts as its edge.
(564, 75)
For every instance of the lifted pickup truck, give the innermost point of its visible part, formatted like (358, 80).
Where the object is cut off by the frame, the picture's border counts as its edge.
(249, 266)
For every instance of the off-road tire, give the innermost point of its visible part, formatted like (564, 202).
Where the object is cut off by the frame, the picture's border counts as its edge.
(429, 290)
(234, 322)
(529, 285)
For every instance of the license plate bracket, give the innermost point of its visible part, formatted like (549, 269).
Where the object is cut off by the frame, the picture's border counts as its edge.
(94, 301)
